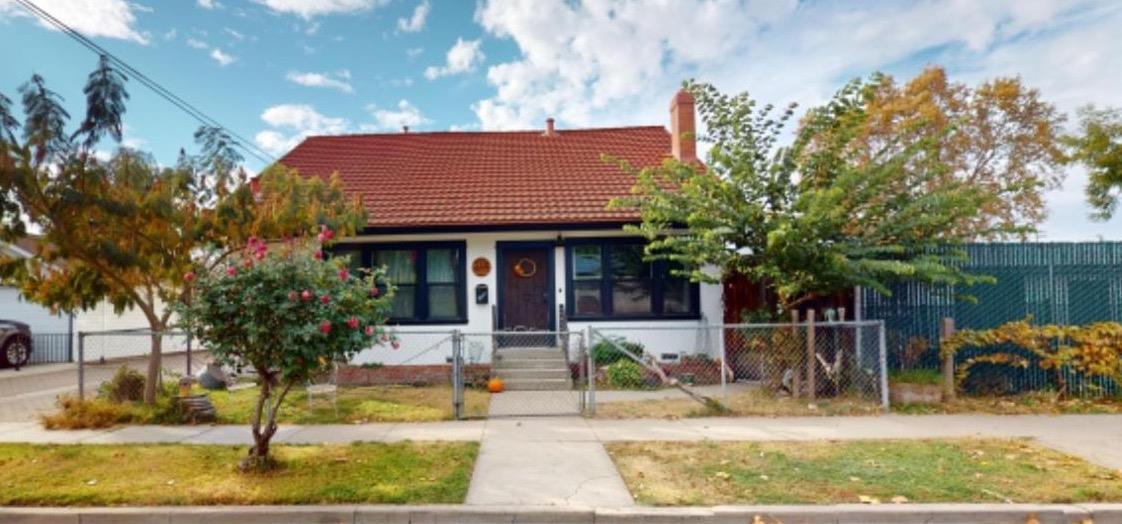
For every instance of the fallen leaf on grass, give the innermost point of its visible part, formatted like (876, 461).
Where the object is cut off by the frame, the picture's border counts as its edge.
(899, 499)
(855, 479)
(865, 499)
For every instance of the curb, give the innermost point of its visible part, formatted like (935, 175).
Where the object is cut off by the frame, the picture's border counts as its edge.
(836, 514)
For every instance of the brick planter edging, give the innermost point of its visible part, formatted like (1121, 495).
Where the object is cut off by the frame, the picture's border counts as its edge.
(351, 514)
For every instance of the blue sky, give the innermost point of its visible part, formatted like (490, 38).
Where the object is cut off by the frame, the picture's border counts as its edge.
(277, 70)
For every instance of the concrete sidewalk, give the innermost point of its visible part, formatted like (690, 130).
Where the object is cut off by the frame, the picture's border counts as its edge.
(561, 461)
(1095, 437)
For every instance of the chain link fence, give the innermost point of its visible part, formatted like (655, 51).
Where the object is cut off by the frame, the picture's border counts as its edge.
(101, 354)
(1067, 284)
(740, 367)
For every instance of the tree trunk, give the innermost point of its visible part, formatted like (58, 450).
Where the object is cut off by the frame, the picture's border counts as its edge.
(155, 364)
(258, 458)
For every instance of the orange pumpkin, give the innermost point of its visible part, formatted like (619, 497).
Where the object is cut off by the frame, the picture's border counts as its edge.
(495, 385)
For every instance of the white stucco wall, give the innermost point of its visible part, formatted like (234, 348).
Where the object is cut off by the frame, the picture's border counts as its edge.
(434, 342)
(41, 320)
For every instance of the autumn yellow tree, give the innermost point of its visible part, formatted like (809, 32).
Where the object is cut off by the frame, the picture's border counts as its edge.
(999, 136)
(126, 230)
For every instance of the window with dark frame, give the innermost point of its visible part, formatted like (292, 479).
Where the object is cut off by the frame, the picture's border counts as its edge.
(610, 279)
(429, 278)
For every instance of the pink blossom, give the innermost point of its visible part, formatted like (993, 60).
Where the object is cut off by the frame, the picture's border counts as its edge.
(325, 327)
(306, 295)
(374, 292)
(231, 271)
(260, 255)
(293, 296)
(325, 299)
(369, 331)
(189, 276)
(248, 262)
(318, 255)
(325, 234)
(396, 344)
(344, 274)
(352, 322)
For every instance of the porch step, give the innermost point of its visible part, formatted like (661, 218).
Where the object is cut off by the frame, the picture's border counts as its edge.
(508, 374)
(537, 384)
(529, 353)
(530, 363)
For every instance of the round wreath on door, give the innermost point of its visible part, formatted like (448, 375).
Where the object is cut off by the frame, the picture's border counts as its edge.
(525, 268)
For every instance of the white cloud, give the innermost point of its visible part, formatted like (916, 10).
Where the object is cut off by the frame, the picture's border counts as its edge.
(406, 114)
(615, 62)
(312, 28)
(171, 34)
(237, 35)
(197, 44)
(291, 123)
(322, 80)
(412, 52)
(310, 8)
(416, 22)
(463, 57)
(223, 59)
(208, 4)
(106, 18)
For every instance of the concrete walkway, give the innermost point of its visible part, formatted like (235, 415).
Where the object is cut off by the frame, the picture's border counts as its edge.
(561, 461)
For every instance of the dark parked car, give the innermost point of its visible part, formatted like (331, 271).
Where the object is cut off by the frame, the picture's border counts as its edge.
(15, 344)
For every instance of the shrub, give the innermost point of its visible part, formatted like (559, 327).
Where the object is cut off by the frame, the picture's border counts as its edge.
(88, 414)
(625, 374)
(127, 385)
(605, 353)
(1093, 349)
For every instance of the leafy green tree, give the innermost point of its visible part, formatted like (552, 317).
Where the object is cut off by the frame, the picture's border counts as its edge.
(807, 217)
(289, 315)
(125, 230)
(1098, 146)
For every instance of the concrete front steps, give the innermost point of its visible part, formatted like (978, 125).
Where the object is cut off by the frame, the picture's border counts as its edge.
(532, 369)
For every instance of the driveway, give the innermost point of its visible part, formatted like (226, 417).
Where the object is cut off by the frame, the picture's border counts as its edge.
(31, 391)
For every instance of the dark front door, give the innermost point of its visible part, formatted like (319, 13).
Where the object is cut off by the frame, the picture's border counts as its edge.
(527, 298)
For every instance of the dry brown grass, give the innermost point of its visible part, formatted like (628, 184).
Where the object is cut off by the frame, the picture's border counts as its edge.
(754, 402)
(820, 472)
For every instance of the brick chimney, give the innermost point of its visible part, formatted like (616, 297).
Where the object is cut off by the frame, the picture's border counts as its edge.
(683, 142)
(549, 130)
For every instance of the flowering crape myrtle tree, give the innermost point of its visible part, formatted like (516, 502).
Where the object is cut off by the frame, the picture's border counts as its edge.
(288, 314)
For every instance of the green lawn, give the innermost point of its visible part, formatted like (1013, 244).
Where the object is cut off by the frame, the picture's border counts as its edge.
(148, 475)
(828, 472)
(355, 405)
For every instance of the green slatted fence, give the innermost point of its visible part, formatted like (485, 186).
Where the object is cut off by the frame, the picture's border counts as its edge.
(1055, 283)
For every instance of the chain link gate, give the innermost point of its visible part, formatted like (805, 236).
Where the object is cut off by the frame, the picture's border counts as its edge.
(543, 373)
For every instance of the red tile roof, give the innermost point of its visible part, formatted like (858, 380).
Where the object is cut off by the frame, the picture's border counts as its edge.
(450, 179)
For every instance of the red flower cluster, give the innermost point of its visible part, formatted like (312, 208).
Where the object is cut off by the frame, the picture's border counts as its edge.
(325, 234)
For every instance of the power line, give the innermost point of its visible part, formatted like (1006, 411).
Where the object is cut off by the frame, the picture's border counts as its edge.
(239, 141)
